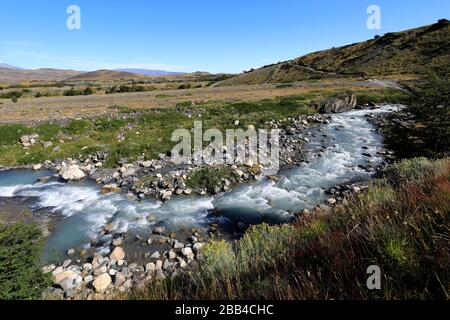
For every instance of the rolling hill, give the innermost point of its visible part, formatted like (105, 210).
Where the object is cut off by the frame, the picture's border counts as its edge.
(10, 75)
(407, 52)
(105, 75)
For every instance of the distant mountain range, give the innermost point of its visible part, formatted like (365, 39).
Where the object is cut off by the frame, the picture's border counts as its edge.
(8, 66)
(11, 74)
(395, 53)
(147, 72)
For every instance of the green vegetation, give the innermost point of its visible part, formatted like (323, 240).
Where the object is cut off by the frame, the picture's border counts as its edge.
(388, 95)
(210, 178)
(78, 92)
(125, 88)
(21, 277)
(146, 132)
(402, 227)
(427, 132)
(11, 95)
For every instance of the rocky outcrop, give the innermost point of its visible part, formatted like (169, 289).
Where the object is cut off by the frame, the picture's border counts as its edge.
(29, 140)
(338, 104)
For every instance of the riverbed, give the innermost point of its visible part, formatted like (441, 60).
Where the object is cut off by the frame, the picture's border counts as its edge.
(346, 150)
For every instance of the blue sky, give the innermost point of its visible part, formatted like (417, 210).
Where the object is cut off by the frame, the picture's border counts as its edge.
(190, 35)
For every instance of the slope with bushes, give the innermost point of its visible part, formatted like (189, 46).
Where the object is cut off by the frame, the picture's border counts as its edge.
(408, 52)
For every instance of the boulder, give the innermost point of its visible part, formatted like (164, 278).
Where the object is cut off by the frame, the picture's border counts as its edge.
(110, 188)
(159, 230)
(331, 201)
(119, 279)
(197, 247)
(102, 282)
(338, 104)
(47, 144)
(146, 164)
(72, 173)
(25, 139)
(187, 252)
(128, 173)
(155, 255)
(63, 275)
(117, 254)
(150, 267)
(67, 284)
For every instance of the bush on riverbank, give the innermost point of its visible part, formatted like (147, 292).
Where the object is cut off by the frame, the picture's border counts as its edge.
(400, 224)
(211, 178)
(21, 278)
(423, 129)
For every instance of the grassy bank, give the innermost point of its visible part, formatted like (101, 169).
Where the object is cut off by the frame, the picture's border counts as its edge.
(149, 132)
(400, 224)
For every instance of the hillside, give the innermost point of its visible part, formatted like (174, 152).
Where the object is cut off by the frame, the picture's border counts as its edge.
(9, 75)
(395, 53)
(105, 75)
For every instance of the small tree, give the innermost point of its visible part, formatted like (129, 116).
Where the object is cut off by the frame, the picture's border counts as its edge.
(21, 278)
(429, 103)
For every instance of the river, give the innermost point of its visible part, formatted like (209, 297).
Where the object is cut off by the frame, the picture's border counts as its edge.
(337, 153)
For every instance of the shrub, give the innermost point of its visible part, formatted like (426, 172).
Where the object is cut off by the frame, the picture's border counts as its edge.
(78, 126)
(210, 178)
(429, 103)
(11, 95)
(21, 277)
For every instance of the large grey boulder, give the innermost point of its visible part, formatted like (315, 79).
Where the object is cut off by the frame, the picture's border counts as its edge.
(338, 104)
(102, 282)
(72, 173)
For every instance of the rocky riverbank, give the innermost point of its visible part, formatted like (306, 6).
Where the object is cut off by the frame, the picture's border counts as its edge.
(102, 276)
(104, 269)
(161, 179)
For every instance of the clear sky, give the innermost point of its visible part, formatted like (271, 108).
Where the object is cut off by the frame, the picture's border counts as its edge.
(190, 35)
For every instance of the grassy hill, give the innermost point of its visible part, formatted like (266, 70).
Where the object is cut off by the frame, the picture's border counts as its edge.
(104, 75)
(9, 75)
(395, 53)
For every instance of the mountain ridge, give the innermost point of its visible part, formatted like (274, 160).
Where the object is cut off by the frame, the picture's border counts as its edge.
(395, 53)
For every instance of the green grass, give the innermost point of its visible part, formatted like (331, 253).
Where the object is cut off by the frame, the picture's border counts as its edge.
(387, 95)
(401, 227)
(146, 132)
